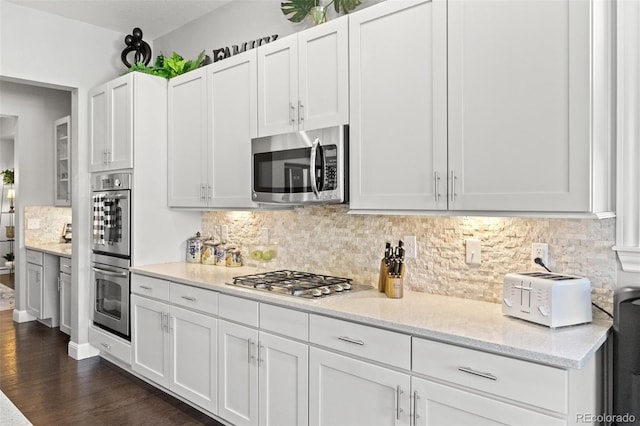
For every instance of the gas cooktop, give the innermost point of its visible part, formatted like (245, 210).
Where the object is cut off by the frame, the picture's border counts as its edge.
(299, 284)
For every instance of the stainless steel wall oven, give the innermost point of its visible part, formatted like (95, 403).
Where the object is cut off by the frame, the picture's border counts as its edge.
(111, 258)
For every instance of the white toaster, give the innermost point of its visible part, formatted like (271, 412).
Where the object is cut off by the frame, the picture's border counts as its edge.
(545, 298)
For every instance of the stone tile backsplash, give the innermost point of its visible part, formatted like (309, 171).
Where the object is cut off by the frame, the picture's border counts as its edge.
(326, 239)
(52, 221)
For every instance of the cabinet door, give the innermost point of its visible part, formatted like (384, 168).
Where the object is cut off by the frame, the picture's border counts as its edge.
(232, 123)
(237, 374)
(62, 166)
(98, 127)
(150, 339)
(65, 303)
(436, 404)
(194, 357)
(398, 119)
(35, 291)
(519, 114)
(323, 71)
(188, 140)
(120, 142)
(284, 381)
(278, 86)
(346, 391)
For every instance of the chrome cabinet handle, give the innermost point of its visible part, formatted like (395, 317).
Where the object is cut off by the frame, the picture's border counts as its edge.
(453, 186)
(260, 360)
(209, 192)
(162, 321)
(477, 373)
(398, 409)
(300, 112)
(169, 323)
(436, 184)
(146, 287)
(350, 340)
(250, 346)
(415, 408)
(202, 192)
(106, 346)
(292, 118)
(189, 298)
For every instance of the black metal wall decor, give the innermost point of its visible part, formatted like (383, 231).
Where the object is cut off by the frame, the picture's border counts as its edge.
(226, 52)
(135, 44)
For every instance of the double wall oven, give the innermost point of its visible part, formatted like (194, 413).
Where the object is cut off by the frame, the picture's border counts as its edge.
(111, 256)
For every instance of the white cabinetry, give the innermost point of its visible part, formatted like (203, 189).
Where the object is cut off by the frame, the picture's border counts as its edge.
(303, 80)
(111, 113)
(481, 107)
(344, 390)
(212, 118)
(398, 125)
(263, 377)
(64, 287)
(62, 139)
(173, 346)
(43, 300)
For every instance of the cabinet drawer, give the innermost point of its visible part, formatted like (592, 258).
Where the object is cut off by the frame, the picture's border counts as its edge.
(150, 287)
(287, 322)
(35, 257)
(373, 343)
(525, 381)
(65, 265)
(238, 309)
(194, 298)
(112, 345)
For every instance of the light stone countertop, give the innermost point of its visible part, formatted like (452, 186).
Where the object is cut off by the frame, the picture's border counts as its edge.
(58, 249)
(464, 322)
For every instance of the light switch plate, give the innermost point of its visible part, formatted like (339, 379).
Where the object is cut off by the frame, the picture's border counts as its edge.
(474, 251)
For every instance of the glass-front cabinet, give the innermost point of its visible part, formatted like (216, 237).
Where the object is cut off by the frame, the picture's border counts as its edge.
(62, 137)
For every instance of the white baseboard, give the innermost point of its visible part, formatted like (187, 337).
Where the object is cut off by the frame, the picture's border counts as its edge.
(22, 316)
(82, 351)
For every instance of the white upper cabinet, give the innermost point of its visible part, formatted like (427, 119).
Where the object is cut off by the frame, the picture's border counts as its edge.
(520, 96)
(398, 130)
(212, 118)
(111, 110)
(303, 80)
(481, 105)
(188, 140)
(62, 181)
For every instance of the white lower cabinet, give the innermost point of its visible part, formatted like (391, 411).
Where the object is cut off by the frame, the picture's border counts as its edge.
(437, 404)
(263, 378)
(346, 391)
(64, 287)
(43, 300)
(176, 348)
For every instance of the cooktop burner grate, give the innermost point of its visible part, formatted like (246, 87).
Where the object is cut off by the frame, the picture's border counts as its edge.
(295, 283)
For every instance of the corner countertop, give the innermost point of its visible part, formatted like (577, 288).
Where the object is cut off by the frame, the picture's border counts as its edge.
(464, 322)
(58, 249)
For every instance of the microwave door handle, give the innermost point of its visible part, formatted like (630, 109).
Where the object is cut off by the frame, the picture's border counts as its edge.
(312, 167)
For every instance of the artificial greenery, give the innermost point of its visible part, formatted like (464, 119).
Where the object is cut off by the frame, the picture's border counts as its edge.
(9, 257)
(169, 67)
(297, 10)
(8, 176)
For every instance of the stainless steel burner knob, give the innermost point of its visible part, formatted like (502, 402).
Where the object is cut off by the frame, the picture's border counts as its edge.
(325, 290)
(346, 286)
(316, 292)
(338, 288)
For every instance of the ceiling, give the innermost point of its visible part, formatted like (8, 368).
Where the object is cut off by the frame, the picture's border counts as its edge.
(155, 18)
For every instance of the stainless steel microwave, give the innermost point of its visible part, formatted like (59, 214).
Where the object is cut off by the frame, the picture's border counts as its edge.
(299, 168)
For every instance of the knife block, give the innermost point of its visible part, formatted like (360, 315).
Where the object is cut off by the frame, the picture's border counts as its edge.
(382, 279)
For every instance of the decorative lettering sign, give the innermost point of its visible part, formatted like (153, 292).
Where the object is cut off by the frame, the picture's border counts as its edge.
(226, 52)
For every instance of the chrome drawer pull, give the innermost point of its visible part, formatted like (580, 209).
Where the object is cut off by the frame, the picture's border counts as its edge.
(350, 340)
(477, 373)
(146, 287)
(106, 346)
(398, 408)
(189, 298)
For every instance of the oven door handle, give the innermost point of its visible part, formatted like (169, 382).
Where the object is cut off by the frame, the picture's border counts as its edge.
(110, 273)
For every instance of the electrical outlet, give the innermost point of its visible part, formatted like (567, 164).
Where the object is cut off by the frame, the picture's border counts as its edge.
(474, 251)
(540, 250)
(410, 247)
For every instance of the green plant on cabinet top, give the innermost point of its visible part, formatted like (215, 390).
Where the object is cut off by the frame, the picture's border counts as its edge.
(297, 10)
(169, 67)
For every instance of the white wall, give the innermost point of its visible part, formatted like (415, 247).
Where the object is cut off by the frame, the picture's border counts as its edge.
(49, 50)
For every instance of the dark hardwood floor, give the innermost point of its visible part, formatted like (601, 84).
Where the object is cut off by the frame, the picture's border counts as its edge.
(52, 389)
